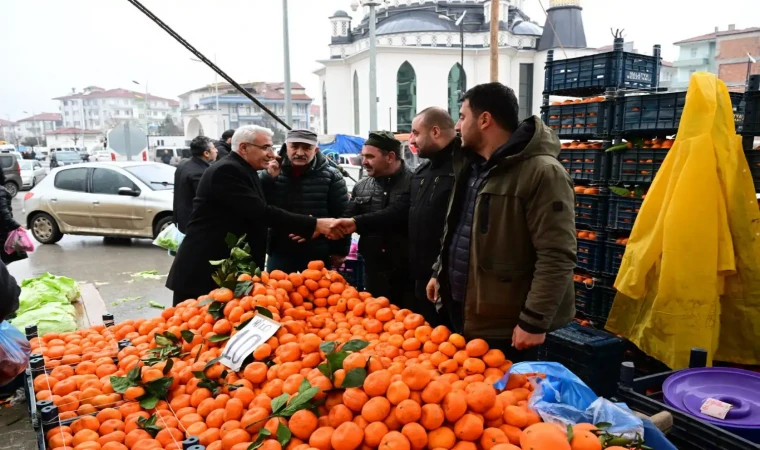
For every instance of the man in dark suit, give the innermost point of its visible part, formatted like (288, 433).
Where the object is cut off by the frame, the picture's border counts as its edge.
(230, 199)
(188, 176)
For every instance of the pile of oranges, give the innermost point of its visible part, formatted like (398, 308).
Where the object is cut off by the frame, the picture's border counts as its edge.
(424, 387)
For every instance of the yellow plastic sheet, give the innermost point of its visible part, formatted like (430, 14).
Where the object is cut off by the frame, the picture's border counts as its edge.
(690, 276)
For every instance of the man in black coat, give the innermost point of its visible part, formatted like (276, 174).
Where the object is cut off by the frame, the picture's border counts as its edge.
(305, 183)
(434, 136)
(9, 293)
(223, 146)
(383, 243)
(230, 199)
(188, 176)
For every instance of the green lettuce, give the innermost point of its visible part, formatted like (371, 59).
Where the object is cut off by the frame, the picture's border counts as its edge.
(46, 289)
(52, 317)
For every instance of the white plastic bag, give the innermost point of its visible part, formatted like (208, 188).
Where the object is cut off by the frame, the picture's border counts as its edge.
(170, 238)
(18, 241)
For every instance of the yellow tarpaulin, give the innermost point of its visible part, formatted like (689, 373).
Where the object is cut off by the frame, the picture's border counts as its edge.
(690, 276)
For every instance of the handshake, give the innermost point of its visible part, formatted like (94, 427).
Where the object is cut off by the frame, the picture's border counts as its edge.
(333, 229)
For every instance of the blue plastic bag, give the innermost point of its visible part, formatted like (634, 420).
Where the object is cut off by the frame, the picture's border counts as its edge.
(564, 399)
(14, 353)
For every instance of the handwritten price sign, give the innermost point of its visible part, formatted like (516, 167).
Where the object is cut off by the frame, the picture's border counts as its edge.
(245, 341)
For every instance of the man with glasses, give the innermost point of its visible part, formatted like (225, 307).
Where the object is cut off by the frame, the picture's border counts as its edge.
(230, 199)
(307, 184)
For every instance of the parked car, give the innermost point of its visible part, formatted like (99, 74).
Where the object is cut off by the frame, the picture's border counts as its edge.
(112, 199)
(12, 172)
(177, 154)
(103, 155)
(64, 158)
(41, 155)
(32, 173)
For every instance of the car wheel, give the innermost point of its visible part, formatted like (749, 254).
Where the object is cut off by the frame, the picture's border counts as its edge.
(34, 182)
(161, 224)
(45, 229)
(12, 188)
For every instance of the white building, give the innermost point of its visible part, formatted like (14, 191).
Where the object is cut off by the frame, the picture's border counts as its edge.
(10, 131)
(38, 125)
(315, 116)
(420, 64)
(98, 109)
(200, 116)
(70, 137)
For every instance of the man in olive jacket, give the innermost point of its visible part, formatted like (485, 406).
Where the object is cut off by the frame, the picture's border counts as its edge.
(505, 272)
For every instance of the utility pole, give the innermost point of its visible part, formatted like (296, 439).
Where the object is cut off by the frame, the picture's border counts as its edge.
(286, 51)
(494, 40)
(216, 93)
(372, 67)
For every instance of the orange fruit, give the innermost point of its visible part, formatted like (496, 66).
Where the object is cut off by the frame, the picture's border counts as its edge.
(302, 424)
(348, 436)
(394, 441)
(585, 440)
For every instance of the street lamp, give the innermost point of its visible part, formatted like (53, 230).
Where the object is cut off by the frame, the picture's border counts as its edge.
(147, 132)
(460, 24)
(216, 94)
(372, 58)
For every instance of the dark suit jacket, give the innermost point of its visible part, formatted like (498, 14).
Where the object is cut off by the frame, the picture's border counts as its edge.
(186, 180)
(230, 199)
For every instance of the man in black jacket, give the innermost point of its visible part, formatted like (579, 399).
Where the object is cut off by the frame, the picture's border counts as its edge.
(307, 184)
(434, 135)
(9, 293)
(230, 199)
(187, 176)
(383, 243)
(223, 146)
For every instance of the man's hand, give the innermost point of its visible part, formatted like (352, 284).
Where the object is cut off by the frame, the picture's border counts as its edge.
(324, 226)
(342, 227)
(522, 340)
(273, 169)
(337, 260)
(432, 290)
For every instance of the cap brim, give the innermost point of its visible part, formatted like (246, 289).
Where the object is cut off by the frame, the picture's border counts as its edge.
(300, 140)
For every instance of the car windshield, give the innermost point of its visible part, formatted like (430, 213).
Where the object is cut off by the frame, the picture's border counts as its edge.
(159, 177)
(67, 156)
(26, 164)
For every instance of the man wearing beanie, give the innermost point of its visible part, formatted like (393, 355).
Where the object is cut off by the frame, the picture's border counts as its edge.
(384, 247)
(223, 146)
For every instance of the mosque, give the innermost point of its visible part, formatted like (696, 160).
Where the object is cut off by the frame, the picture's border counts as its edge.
(425, 59)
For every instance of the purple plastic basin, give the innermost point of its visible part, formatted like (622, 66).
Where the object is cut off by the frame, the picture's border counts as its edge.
(688, 389)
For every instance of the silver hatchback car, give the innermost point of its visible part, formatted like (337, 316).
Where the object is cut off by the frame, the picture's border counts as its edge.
(115, 199)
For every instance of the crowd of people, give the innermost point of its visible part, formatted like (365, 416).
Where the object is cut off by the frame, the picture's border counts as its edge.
(480, 237)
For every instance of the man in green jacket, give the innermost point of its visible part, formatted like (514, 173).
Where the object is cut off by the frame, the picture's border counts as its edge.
(505, 272)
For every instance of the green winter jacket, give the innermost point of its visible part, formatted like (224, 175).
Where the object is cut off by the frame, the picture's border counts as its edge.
(522, 245)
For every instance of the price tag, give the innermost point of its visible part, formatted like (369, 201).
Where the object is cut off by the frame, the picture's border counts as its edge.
(715, 408)
(245, 341)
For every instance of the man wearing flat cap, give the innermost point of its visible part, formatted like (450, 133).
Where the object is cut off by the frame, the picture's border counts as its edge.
(383, 245)
(304, 183)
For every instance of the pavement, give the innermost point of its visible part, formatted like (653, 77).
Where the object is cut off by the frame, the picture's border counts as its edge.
(107, 263)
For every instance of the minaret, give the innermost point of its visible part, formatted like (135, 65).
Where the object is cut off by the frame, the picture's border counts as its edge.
(564, 26)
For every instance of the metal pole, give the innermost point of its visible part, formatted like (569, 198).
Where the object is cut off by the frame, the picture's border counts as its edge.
(147, 133)
(390, 119)
(286, 51)
(372, 70)
(494, 40)
(216, 92)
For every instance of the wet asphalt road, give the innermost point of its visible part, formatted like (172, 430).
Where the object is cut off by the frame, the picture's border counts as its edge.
(108, 263)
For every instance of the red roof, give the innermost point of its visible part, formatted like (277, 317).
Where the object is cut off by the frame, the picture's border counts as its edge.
(117, 93)
(73, 131)
(52, 117)
(5, 123)
(315, 109)
(711, 36)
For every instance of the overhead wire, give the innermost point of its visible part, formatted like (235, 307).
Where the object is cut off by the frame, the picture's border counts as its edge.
(548, 19)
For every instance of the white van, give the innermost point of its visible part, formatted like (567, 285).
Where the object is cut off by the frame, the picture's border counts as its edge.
(176, 154)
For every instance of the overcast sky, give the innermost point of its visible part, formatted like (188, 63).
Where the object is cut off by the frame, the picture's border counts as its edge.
(51, 46)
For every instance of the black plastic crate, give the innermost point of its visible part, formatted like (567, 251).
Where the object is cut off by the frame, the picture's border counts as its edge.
(737, 102)
(613, 257)
(651, 113)
(753, 159)
(637, 165)
(623, 212)
(751, 124)
(593, 355)
(591, 253)
(580, 119)
(593, 74)
(644, 395)
(587, 164)
(591, 210)
(353, 271)
(596, 297)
